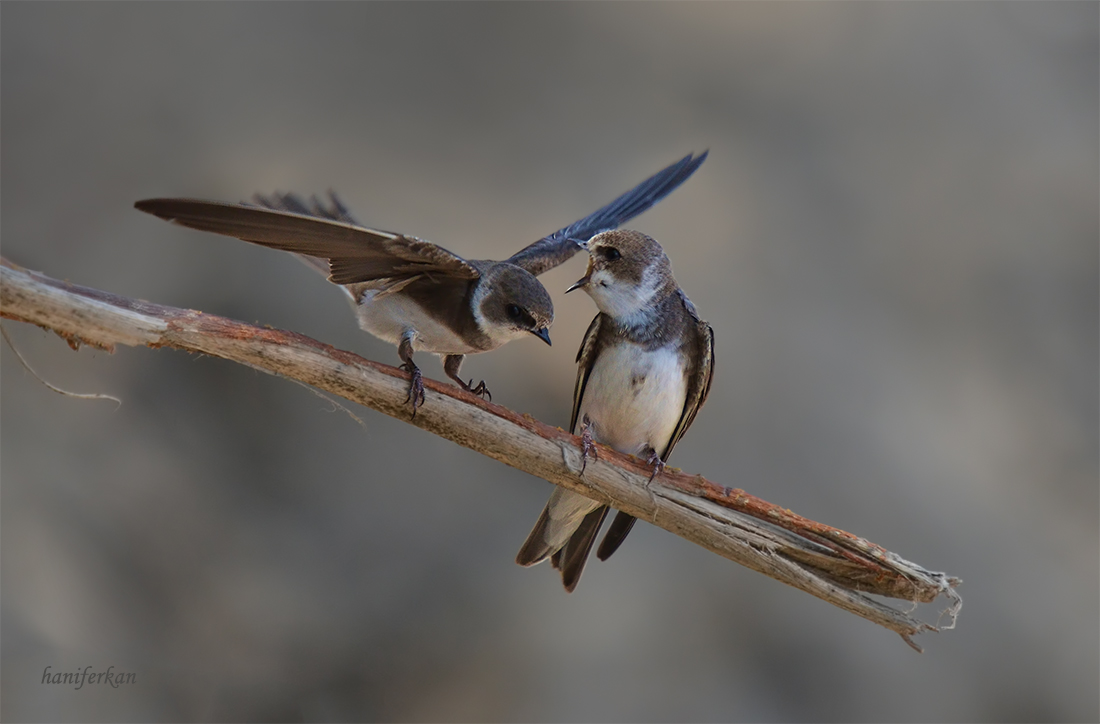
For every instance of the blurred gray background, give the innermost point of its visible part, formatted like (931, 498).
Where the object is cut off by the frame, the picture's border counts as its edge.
(895, 239)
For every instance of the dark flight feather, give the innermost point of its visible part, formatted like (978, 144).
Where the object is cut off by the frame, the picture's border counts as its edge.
(575, 553)
(355, 253)
(557, 248)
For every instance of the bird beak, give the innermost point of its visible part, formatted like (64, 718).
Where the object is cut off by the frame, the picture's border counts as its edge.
(542, 333)
(583, 281)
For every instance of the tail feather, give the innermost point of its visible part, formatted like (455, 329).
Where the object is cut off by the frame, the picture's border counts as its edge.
(536, 549)
(563, 515)
(615, 535)
(575, 553)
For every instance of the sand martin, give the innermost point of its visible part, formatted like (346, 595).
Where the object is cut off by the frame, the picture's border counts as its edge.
(645, 368)
(411, 292)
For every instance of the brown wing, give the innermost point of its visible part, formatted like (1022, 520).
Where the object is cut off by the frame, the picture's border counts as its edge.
(586, 356)
(698, 386)
(295, 204)
(354, 253)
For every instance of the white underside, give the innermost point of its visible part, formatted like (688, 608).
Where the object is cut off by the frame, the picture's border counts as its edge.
(391, 316)
(625, 416)
(634, 397)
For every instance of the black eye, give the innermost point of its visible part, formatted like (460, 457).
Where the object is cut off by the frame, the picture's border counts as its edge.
(513, 311)
(610, 253)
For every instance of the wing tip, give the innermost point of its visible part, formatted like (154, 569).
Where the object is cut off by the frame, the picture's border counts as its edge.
(156, 207)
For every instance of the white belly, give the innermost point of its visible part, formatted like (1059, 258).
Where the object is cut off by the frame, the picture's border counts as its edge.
(634, 397)
(390, 316)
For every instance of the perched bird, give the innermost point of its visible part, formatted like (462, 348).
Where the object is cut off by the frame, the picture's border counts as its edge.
(644, 371)
(411, 292)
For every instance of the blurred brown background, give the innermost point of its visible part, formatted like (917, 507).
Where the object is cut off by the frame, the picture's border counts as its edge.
(895, 239)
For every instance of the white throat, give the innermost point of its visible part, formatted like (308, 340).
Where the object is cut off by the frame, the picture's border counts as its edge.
(627, 303)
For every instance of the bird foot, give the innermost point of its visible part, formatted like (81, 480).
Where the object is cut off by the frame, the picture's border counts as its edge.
(655, 461)
(588, 445)
(481, 390)
(416, 386)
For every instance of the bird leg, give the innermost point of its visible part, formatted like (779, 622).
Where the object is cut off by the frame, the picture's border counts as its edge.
(451, 365)
(655, 461)
(588, 445)
(416, 379)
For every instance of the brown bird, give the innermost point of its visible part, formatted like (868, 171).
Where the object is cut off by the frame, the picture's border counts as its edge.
(644, 371)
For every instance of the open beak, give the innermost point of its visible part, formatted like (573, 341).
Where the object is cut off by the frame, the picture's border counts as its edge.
(582, 282)
(542, 333)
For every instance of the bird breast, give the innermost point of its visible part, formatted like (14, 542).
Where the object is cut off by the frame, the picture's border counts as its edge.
(387, 316)
(634, 396)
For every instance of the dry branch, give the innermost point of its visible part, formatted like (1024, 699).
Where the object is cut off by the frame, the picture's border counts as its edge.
(823, 561)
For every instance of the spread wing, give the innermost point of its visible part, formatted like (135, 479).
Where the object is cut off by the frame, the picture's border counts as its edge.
(315, 207)
(586, 357)
(559, 247)
(355, 253)
(336, 211)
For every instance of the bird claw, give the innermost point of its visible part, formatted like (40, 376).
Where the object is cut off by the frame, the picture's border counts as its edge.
(654, 460)
(416, 386)
(481, 390)
(588, 445)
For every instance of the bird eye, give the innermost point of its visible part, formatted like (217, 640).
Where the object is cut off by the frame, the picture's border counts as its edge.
(610, 253)
(513, 311)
